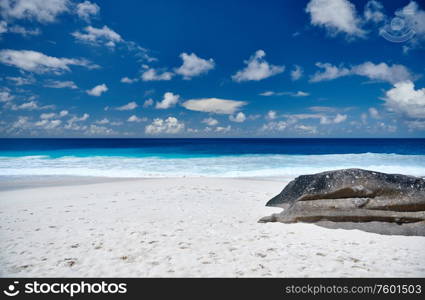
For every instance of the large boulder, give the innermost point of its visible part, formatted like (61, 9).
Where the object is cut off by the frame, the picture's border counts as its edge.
(354, 198)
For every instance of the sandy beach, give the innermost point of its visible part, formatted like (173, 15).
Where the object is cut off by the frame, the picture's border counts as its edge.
(184, 227)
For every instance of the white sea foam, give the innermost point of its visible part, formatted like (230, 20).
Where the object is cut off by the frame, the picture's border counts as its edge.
(220, 166)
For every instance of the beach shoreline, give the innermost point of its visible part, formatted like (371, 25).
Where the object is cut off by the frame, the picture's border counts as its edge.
(183, 227)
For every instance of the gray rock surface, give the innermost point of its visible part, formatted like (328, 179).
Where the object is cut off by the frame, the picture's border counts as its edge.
(355, 199)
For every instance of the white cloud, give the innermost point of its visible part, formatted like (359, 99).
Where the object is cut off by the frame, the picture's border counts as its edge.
(210, 121)
(148, 103)
(48, 124)
(98, 36)
(93, 130)
(330, 72)
(300, 94)
(21, 80)
(381, 72)
(405, 100)
(44, 11)
(168, 101)
(328, 109)
(271, 115)
(129, 106)
(214, 105)
(37, 62)
(47, 116)
(306, 129)
(257, 68)
(296, 73)
(104, 121)
(171, 125)
(239, 118)
(339, 118)
(153, 75)
(3, 27)
(373, 12)
(416, 125)
(267, 93)
(57, 84)
(292, 94)
(129, 80)
(30, 105)
(374, 113)
(86, 10)
(136, 119)
(97, 90)
(274, 126)
(17, 29)
(194, 66)
(415, 17)
(336, 16)
(221, 129)
(63, 113)
(5, 95)
(71, 122)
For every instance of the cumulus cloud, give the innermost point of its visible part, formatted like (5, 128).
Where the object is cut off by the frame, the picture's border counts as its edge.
(57, 84)
(275, 126)
(30, 105)
(238, 118)
(373, 12)
(17, 29)
(339, 118)
(296, 73)
(5, 95)
(404, 99)
(129, 106)
(170, 125)
(210, 121)
(336, 16)
(257, 68)
(98, 36)
(136, 119)
(271, 115)
(97, 90)
(329, 72)
(48, 124)
(153, 75)
(374, 113)
(148, 103)
(44, 11)
(214, 105)
(169, 100)
(129, 80)
(222, 129)
(86, 10)
(194, 66)
(38, 62)
(103, 121)
(381, 72)
(416, 19)
(71, 122)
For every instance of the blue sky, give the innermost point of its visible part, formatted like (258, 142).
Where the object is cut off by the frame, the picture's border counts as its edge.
(313, 68)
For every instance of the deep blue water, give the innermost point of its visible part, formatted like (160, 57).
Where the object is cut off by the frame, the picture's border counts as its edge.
(207, 157)
(209, 147)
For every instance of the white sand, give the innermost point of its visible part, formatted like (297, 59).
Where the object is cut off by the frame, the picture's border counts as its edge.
(183, 227)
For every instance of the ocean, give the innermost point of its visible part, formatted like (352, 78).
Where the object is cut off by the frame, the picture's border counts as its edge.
(207, 157)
